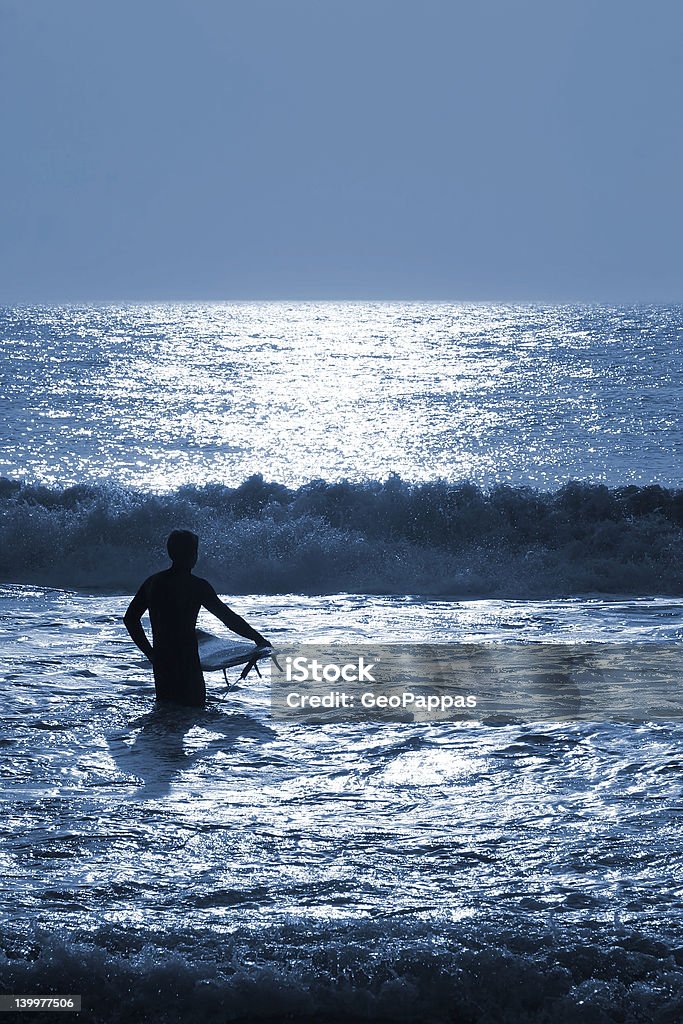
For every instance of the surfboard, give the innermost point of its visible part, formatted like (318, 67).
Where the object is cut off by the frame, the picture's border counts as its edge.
(217, 652)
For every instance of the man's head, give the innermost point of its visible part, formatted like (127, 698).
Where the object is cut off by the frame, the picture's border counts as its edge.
(182, 547)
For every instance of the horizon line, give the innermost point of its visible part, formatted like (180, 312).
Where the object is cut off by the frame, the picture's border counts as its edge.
(83, 302)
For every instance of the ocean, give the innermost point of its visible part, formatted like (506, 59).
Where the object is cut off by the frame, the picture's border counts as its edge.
(358, 473)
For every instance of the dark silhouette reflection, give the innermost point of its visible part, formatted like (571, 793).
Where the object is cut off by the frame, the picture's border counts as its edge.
(173, 598)
(158, 754)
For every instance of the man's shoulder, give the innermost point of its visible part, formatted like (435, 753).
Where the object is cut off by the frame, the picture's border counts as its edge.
(202, 585)
(155, 579)
(161, 581)
(156, 576)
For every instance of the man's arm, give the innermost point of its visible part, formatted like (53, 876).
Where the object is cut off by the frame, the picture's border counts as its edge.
(229, 618)
(132, 621)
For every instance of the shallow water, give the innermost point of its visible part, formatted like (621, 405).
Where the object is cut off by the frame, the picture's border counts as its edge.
(371, 868)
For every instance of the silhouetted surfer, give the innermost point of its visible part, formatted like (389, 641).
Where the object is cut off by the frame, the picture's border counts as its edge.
(174, 598)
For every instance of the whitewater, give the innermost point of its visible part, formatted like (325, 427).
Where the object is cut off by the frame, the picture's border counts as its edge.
(364, 473)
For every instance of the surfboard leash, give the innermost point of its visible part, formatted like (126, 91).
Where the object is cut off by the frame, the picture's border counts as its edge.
(252, 663)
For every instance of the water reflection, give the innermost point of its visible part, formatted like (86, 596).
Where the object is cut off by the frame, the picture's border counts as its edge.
(160, 751)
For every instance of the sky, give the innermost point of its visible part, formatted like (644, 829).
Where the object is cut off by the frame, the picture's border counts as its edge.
(456, 150)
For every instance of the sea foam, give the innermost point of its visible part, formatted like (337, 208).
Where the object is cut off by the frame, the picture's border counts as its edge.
(323, 973)
(391, 536)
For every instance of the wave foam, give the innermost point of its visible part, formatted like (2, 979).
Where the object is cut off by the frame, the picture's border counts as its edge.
(421, 973)
(435, 538)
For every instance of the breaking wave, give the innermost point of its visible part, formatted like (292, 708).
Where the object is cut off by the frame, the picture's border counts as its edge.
(324, 975)
(434, 538)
